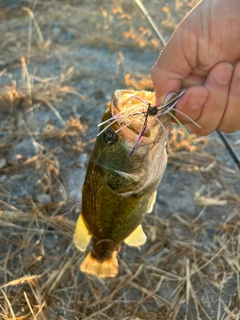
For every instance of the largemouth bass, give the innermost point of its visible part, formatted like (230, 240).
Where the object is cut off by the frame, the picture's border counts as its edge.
(124, 171)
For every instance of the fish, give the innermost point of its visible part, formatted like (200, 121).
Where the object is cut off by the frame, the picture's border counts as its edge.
(125, 168)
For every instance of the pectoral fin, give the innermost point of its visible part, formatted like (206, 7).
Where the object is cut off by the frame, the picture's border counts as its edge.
(152, 202)
(136, 238)
(81, 236)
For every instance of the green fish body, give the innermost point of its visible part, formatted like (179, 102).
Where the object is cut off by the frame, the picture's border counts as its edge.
(119, 189)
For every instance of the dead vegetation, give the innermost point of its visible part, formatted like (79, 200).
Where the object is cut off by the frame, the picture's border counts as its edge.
(60, 62)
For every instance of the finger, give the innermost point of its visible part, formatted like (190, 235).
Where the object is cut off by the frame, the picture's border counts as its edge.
(193, 80)
(218, 86)
(231, 118)
(164, 81)
(191, 104)
(172, 65)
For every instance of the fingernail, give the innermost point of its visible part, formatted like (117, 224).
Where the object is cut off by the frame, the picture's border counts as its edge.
(223, 74)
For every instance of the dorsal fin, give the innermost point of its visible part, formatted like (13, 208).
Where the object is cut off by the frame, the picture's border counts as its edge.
(81, 236)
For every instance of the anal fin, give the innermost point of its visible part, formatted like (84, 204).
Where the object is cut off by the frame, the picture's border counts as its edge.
(81, 236)
(136, 238)
(103, 269)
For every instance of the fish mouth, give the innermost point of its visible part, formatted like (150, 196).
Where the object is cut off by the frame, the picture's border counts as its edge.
(130, 109)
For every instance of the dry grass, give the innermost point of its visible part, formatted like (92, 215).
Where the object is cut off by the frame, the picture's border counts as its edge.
(53, 91)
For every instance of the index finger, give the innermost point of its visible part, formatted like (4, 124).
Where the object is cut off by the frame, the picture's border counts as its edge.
(172, 66)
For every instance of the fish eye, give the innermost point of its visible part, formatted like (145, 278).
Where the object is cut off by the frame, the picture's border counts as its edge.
(109, 136)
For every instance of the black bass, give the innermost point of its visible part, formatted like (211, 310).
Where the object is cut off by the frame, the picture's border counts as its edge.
(125, 169)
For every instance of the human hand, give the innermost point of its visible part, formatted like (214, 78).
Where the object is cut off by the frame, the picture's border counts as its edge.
(202, 55)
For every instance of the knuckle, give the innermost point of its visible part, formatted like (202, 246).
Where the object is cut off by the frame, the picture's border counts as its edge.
(228, 128)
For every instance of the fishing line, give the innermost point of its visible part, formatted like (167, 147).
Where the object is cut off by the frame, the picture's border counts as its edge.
(229, 148)
(227, 145)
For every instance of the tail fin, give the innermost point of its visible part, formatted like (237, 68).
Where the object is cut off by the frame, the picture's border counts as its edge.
(105, 269)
